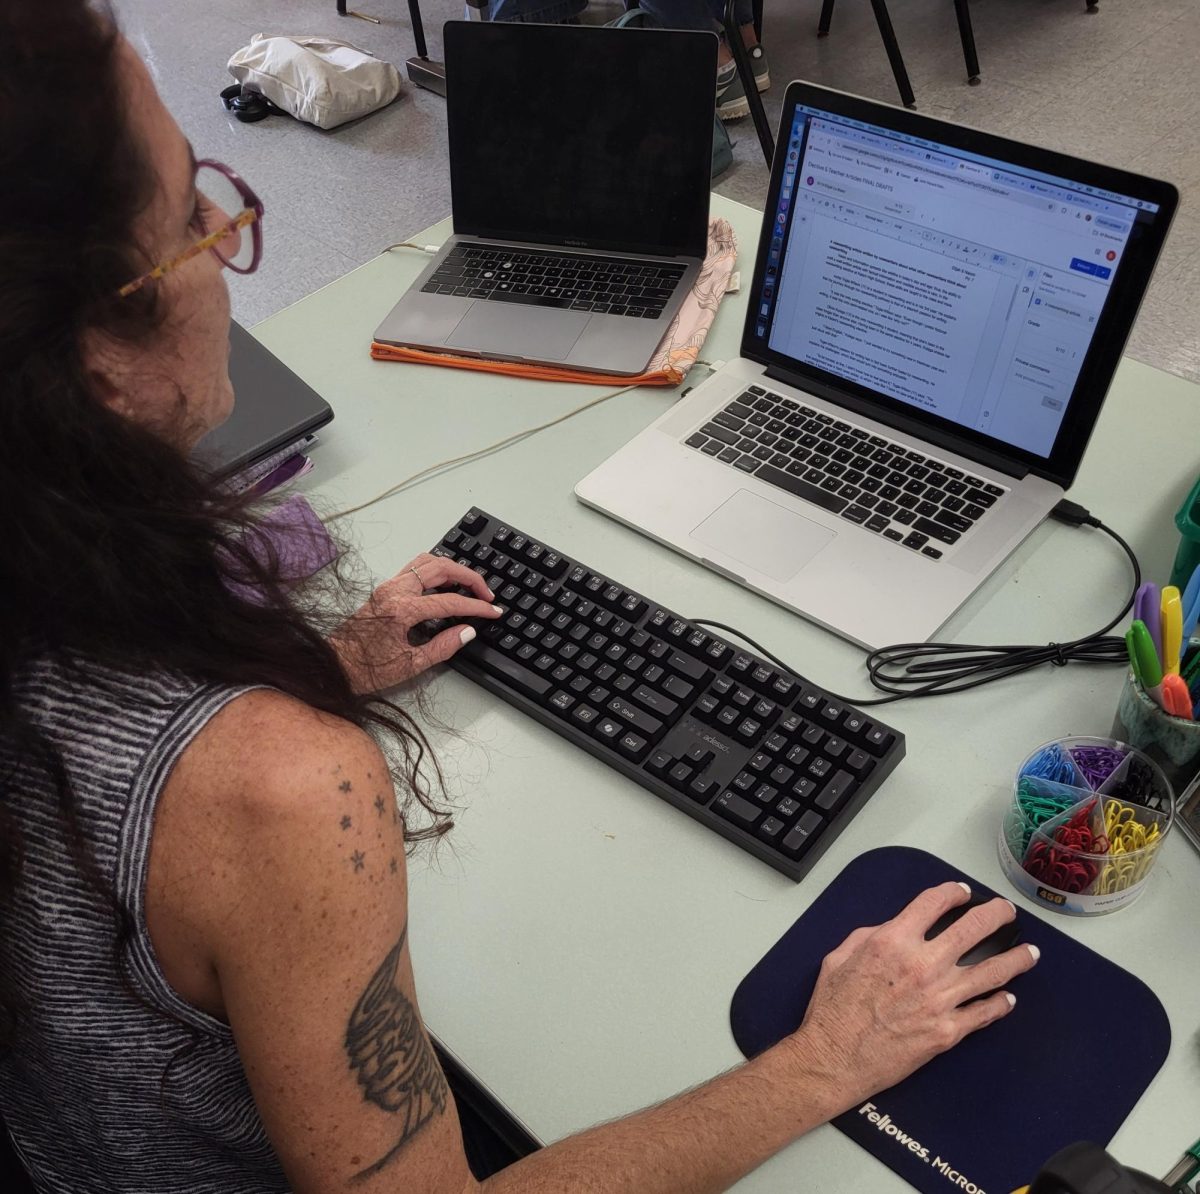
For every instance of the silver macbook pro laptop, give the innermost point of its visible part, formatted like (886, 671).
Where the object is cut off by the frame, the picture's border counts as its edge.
(579, 179)
(935, 317)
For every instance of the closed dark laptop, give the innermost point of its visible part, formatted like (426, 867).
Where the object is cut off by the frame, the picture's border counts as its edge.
(579, 177)
(273, 408)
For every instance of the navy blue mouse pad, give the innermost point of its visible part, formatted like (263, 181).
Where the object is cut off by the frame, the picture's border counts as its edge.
(1068, 1063)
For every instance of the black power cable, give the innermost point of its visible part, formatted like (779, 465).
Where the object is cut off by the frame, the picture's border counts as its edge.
(937, 669)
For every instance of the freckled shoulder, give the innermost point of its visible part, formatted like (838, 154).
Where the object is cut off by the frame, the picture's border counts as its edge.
(276, 780)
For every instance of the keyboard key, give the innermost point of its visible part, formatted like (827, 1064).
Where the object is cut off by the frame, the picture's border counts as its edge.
(632, 746)
(877, 740)
(737, 809)
(519, 677)
(835, 793)
(685, 665)
(585, 715)
(980, 498)
(802, 489)
(956, 522)
(607, 728)
(802, 835)
(563, 702)
(936, 530)
(771, 830)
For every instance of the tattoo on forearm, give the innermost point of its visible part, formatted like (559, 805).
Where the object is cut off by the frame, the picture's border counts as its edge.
(392, 1057)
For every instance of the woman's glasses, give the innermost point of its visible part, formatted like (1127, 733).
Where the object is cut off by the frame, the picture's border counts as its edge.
(229, 220)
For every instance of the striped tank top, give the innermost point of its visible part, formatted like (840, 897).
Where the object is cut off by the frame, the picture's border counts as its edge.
(111, 1089)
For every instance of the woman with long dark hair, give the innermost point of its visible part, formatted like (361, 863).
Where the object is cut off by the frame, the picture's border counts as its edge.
(205, 980)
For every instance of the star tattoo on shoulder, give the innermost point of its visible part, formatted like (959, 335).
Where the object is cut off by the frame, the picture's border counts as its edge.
(345, 822)
(380, 804)
(344, 786)
(358, 858)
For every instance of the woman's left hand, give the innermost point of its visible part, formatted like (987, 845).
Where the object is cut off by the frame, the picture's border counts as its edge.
(374, 644)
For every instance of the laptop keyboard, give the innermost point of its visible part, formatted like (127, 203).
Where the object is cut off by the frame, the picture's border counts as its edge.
(756, 754)
(884, 486)
(604, 285)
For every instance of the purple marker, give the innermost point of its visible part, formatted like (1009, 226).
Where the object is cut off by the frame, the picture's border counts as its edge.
(1147, 606)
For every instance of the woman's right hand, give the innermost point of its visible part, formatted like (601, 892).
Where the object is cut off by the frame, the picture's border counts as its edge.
(887, 1001)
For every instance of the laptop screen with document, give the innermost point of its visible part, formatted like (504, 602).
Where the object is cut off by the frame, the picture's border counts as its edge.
(599, 167)
(955, 280)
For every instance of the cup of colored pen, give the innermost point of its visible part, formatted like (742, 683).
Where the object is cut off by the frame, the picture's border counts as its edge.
(1157, 712)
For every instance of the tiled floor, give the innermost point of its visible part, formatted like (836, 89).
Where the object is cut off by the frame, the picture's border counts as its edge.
(1117, 84)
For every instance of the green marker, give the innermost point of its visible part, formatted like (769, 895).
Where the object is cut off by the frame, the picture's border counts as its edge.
(1146, 665)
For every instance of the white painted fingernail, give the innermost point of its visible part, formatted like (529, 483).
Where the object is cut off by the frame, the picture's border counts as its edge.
(468, 633)
(497, 609)
(1012, 999)
(1033, 949)
(965, 887)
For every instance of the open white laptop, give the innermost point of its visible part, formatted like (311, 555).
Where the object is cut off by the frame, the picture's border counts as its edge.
(935, 317)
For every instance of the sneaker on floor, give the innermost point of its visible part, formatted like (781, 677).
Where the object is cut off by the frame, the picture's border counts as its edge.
(762, 72)
(732, 103)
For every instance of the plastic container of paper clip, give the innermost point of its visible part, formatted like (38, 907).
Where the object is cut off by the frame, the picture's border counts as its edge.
(1085, 825)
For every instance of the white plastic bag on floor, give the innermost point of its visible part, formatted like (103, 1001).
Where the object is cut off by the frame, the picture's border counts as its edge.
(319, 80)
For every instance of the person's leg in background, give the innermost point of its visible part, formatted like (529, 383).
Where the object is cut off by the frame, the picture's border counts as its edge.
(710, 14)
(548, 12)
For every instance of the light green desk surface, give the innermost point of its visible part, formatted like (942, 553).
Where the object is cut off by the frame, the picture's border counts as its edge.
(577, 941)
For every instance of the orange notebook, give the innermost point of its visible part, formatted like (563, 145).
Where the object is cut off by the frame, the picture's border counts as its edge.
(675, 355)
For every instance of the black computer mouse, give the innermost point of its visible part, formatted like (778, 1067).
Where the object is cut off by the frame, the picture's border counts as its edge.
(1005, 937)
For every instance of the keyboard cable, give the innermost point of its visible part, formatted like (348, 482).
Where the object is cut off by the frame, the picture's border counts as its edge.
(433, 470)
(908, 670)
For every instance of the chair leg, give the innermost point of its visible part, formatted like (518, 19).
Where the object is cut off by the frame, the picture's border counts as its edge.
(884, 21)
(967, 36)
(826, 17)
(418, 27)
(757, 8)
(362, 16)
(733, 34)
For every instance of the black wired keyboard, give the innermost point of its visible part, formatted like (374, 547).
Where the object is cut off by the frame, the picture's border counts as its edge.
(762, 757)
(638, 289)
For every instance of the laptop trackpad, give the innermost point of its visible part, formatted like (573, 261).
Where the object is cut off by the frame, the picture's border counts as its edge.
(768, 537)
(517, 330)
